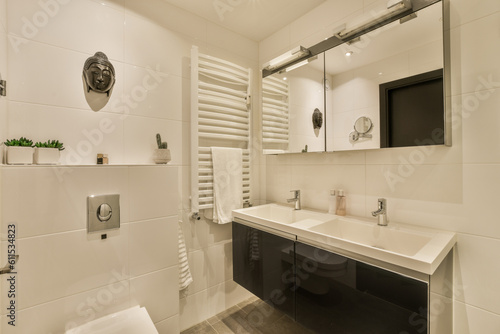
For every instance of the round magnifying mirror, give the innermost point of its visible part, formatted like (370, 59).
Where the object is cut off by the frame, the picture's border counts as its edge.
(363, 125)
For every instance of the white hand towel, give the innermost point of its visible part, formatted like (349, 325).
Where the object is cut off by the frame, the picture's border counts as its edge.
(185, 277)
(228, 179)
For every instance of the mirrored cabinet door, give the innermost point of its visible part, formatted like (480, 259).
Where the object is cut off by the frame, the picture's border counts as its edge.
(293, 114)
(360, 73)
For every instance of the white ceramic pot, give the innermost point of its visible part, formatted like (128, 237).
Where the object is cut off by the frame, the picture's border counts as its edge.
(19, 155)
(161, 155)
(47, 156)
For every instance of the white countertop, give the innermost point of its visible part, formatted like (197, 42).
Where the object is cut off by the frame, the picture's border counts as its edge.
(406, 246)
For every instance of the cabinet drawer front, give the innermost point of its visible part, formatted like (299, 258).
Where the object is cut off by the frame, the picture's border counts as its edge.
(336, 294)
(263, 264)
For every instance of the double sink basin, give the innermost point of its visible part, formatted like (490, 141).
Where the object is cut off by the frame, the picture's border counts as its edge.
(411, 247)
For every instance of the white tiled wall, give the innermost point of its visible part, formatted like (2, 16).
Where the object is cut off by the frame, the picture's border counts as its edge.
(210, 260)
(149, 44)
(453, 188)
(67, 276)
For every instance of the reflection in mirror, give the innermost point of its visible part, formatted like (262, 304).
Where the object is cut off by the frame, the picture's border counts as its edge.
(356, 70)
(317, 119)
(411, 111)
(292, 107)
(363, 125)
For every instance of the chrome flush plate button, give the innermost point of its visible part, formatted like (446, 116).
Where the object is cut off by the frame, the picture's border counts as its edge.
(103, 212)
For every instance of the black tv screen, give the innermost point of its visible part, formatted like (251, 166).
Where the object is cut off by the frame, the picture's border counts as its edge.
(412, 111)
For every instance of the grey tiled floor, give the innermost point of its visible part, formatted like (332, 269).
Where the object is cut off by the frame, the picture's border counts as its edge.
(251, 316)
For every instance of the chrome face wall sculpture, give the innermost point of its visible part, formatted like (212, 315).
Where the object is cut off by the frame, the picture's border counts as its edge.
(99, 74)
(317, 119)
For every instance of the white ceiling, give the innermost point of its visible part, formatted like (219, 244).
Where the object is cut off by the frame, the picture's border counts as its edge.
(255, 19)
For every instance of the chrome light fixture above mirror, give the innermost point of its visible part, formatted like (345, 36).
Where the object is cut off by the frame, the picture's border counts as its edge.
(299, 64)
(394, 8)
(287, 58)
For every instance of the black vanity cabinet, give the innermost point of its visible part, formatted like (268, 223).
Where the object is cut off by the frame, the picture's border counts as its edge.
(263, 264)
(326, 292)
(335, 294)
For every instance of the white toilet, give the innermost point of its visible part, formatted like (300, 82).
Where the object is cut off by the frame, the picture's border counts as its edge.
(134, 320)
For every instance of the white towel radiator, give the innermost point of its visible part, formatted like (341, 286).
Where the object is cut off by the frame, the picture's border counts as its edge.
(220, 117)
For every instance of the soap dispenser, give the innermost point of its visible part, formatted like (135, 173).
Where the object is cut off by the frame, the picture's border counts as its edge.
(332, 202)
(341, 203)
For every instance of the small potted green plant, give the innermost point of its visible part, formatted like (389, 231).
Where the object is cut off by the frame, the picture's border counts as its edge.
(48, 153)
(19, 151)
(162, 153)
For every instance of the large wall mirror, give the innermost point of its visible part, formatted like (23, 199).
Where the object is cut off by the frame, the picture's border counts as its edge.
(382, 87)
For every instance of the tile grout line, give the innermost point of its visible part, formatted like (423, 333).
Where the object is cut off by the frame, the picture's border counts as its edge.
(213, 329)
(240, 309)
(220, 320)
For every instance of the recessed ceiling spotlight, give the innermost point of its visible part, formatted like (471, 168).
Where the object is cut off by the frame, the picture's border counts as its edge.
(284, 78)
(349, 53)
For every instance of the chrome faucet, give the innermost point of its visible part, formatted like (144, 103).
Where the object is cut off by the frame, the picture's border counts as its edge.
(381, 213)
(296, 199)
